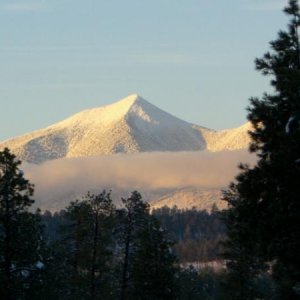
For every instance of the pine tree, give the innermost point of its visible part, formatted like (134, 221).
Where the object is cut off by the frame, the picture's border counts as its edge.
(88, 245)
(244, 264)
(132, 220)
(20, 232)
(154, 267)
(146, 263)
(264, 207)
(101, 215)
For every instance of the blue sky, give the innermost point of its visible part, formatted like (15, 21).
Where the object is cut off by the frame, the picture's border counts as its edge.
(192, 58)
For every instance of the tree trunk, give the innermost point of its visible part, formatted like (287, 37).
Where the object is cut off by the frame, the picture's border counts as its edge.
(7, 254)
(125, 267)
(94, 257)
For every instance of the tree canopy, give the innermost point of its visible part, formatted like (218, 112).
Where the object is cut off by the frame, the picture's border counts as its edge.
(263, 217)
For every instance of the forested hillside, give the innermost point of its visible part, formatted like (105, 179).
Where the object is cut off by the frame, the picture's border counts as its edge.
(93, 250)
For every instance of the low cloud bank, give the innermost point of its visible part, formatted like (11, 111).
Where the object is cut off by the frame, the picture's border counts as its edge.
(63, 178)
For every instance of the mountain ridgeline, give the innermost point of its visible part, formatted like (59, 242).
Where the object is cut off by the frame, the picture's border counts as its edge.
(131, 125)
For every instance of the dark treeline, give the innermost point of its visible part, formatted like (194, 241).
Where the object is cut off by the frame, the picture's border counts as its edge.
(93, 250)
(196, 235)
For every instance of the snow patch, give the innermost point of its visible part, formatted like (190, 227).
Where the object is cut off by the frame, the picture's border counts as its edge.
(288, 124)
(39, 265)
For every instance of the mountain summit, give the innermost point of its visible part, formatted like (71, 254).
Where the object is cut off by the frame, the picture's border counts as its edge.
(128, 126)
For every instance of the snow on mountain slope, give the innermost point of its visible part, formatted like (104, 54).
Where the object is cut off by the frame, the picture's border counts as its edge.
(200, 198)
(130, 125)
(184, 198)
(156, 130)
(229, 139)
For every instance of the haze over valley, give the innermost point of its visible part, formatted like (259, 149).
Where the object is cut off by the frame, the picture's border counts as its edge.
(131, 145)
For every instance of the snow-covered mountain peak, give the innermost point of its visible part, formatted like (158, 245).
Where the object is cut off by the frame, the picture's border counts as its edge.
(129, 125)
(130, 99)
(101, 116)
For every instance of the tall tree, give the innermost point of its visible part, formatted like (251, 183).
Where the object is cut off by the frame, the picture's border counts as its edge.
(20, 230)
(132, 220)
(89, 241)
(101, 214)
(264, 207)
(155, 267)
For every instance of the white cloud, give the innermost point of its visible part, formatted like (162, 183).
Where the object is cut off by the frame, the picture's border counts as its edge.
(58, 182)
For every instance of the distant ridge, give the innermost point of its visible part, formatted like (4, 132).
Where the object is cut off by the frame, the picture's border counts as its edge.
(191, 197)
(130, 125)
(228, 139)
